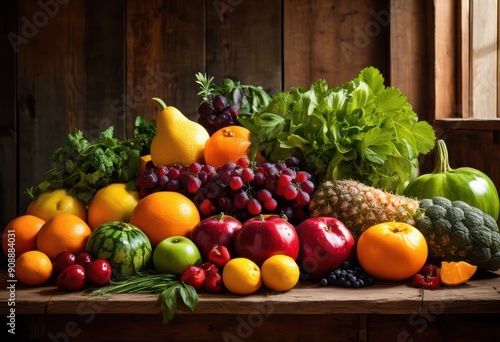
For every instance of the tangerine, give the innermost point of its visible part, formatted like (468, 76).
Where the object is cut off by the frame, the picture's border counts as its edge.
(241, 276)
(280, 272)
(112, 203)
(64, 232)
(456, 272)
(33, 268)
(228, 144)
(20, 234)
(163, 214)
(392, 251)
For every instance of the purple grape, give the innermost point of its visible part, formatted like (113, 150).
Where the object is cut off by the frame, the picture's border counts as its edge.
(307, 186)
(163, 180)
(264, 195)
(206, 108)
(236, 182)
(290, 192)
(220, 103)
(254, 207)
(241, 200)
(302, 198)
(233, 110)
(150, 180)
(193, 184)
(247, 174)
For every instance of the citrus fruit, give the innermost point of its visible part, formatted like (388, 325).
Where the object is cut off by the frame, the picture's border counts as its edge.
(33, 268)
(392, 251)
(241, 276)
(163, 214)
(456, 272)
(112, 203)
(144, 161)
(64, 232)
(280, 272)
(51, 203)
(228, 144)
(20, 234)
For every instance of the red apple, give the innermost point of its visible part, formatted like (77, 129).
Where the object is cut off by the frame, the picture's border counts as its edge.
(325, 242)
(98, 272)
(72, 278)
(215, 230)
(63, 260)
(264, 236)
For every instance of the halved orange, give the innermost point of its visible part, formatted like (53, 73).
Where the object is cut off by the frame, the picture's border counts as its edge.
(456, 272)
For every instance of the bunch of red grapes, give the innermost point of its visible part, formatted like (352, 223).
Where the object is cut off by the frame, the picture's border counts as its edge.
(242, 190)
(217, 114)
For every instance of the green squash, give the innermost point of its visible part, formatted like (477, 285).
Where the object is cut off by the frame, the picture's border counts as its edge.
(463, 184)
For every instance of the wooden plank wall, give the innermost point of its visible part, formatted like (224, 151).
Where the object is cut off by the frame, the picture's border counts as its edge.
(91, 64)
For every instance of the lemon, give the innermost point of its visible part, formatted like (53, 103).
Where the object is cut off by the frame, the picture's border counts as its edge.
(53, 202)
(241, 276)
(112, 203)
(280, 273)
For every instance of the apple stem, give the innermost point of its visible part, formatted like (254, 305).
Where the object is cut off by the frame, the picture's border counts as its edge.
(221, 217)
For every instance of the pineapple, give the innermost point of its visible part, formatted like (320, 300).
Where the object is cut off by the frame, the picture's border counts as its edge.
(360, 206)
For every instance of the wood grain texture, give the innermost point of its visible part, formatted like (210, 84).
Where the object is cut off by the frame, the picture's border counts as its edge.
(445, 49)
(484, 58)
(165, 48)
(244, 43)
(8, 125)
(410, 70)
(105, 67)
(333, 40)
(51, 86)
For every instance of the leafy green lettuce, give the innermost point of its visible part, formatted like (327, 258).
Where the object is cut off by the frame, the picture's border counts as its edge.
(360, 130)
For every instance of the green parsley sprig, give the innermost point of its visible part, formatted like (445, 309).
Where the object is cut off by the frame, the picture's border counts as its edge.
(84, 166)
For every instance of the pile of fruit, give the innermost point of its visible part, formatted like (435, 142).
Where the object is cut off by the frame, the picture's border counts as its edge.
(207, 210)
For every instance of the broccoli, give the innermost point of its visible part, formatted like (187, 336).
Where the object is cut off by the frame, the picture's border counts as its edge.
(457, 231)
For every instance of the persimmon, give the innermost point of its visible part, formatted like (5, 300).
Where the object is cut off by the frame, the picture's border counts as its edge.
(392, 251)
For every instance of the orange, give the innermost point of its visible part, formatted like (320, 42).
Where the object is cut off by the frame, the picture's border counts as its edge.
(163, 214)
(112, 203)
(64, 232)
(144, 160)
(456, 272)
(392, 251)
(228, 144)
(241, 276)
(51, 203)
(280, 272)
(33, 268)
(20, 234)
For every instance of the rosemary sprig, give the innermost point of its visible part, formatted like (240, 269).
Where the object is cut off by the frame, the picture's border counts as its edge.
(167, 286)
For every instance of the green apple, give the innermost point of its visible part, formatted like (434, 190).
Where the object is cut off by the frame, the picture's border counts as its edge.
(174, 254)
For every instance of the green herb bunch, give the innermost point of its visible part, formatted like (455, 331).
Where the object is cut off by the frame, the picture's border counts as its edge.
(84, 166)
(360, 130)
(167, 286)
(247, 98)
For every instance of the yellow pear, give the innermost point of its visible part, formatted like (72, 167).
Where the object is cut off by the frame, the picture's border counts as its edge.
(178, 140)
